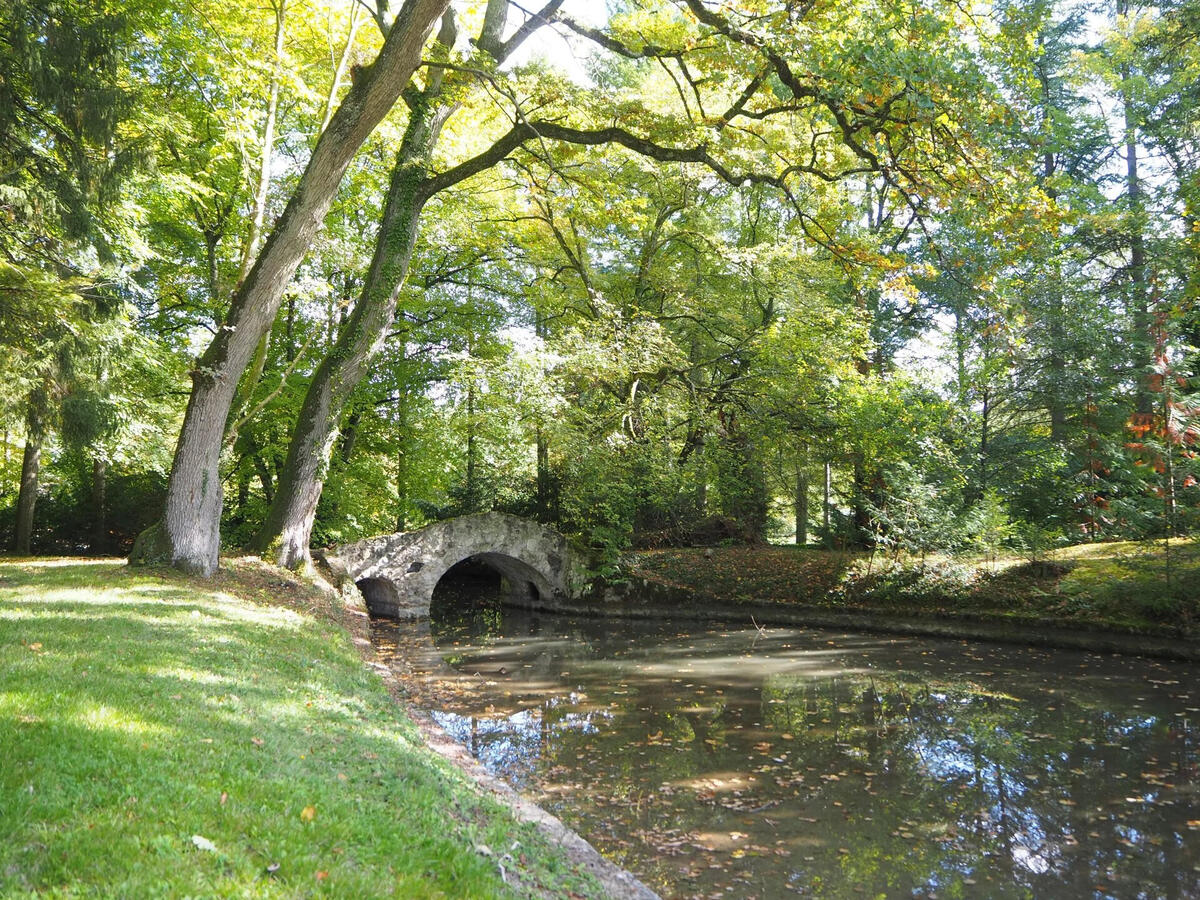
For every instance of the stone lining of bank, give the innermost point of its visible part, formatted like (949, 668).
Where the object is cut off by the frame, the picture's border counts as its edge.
(644, 598)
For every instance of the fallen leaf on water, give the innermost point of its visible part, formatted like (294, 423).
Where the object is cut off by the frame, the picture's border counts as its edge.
(308, 814)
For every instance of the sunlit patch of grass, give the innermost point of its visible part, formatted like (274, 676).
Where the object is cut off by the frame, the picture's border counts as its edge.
(139, 711)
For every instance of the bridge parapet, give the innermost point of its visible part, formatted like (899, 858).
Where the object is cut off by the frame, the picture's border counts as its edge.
(397, 573)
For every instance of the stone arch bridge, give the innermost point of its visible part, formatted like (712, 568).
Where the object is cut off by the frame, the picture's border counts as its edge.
(397, 573)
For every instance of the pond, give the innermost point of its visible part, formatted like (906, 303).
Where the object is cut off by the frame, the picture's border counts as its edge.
(777, 762)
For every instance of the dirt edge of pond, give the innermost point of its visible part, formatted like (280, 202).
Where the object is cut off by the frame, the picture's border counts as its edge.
(645, 598)
(616, 881)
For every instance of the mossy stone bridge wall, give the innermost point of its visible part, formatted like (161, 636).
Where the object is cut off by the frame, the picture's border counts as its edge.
(397, 573)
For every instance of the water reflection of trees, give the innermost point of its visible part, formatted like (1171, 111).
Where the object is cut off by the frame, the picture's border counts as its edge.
(896, 781)
(1044, 795)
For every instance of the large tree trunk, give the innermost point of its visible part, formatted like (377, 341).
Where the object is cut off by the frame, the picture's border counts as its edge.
(189, 535)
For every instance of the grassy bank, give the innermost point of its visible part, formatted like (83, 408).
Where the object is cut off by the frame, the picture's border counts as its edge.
(1133, 587)
(169, 737)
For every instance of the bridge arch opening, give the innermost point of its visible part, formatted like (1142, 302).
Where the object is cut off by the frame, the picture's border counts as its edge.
(381, 594)
(489, 579)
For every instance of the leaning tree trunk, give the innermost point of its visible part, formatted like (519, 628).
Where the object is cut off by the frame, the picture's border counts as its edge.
(189, 535)
(289, 523)
(288, 526)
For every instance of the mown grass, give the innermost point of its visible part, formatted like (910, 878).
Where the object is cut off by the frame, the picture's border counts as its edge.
(160, 737)
(1127, 586)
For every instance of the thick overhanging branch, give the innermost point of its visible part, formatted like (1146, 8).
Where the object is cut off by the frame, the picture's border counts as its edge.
(522, 132)
(610, 43)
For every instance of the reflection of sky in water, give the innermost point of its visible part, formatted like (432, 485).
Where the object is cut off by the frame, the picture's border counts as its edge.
(815, 763)
(513, 745)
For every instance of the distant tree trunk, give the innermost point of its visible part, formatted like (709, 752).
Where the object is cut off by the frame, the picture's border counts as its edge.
(1139, 301)
(985, 422)
(35, 435)
(1055, 394)
(243, 493)
(188, 536)
(542, 446)
(99, 504)
(826, 502)
(472, 452)
(801, 506)
(862, 493)
(401, 465)
(960, 355)
(264, 477)
(259, 209)
(543, 476)
(350, 436)
(27, 498)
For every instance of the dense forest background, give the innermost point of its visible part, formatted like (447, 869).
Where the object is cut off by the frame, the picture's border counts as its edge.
(914, 274)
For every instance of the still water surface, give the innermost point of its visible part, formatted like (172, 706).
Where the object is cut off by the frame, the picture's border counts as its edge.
(739, 762)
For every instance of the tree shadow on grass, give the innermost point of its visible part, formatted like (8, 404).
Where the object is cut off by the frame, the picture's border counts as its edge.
(129, 727)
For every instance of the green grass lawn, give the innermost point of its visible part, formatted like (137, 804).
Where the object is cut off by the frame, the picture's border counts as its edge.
(1123, 586)
(167, 737)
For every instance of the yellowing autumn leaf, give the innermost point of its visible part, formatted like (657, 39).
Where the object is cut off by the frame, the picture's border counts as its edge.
(308, 814)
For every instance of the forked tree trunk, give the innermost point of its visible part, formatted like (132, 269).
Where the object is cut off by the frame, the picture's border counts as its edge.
(288, 527)
(189, 535)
